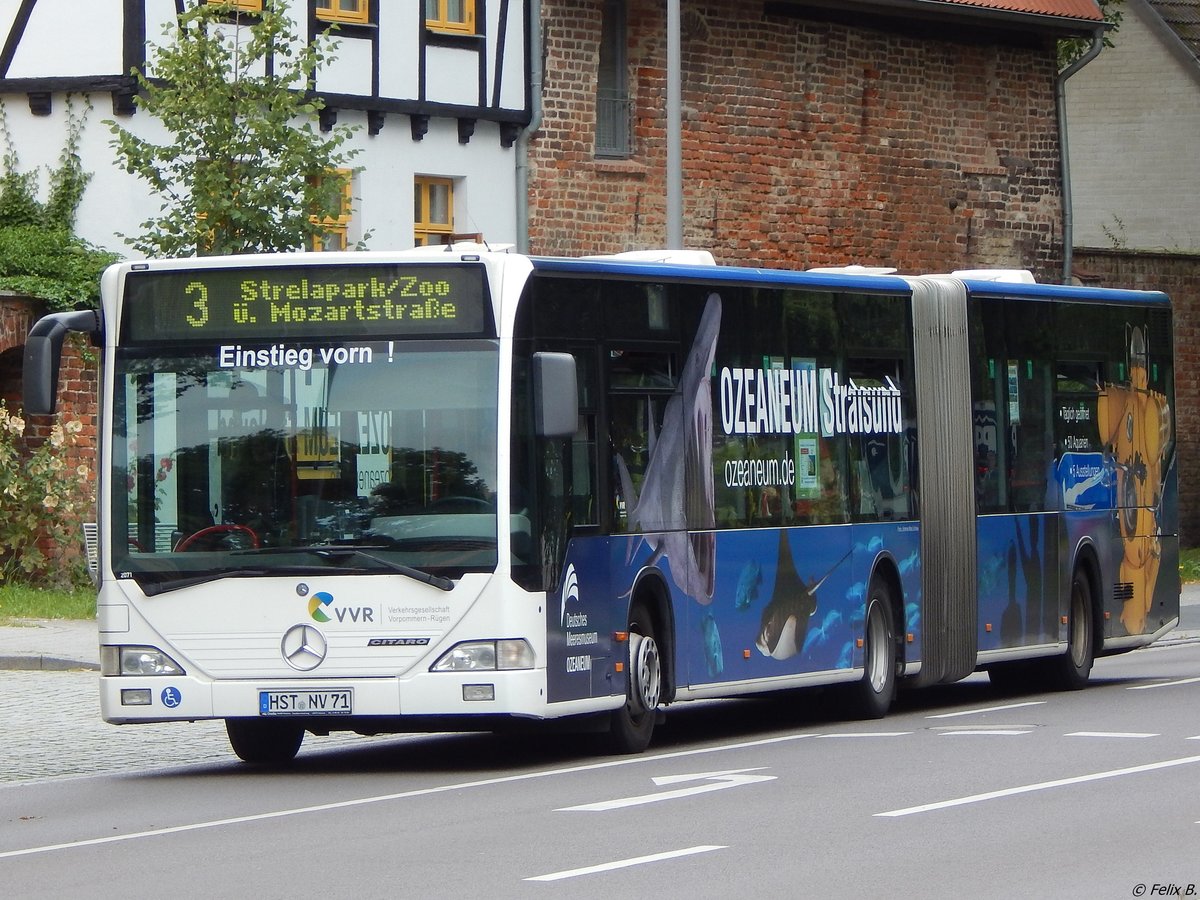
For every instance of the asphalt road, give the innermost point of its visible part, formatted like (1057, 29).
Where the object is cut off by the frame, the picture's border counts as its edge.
(961, 791)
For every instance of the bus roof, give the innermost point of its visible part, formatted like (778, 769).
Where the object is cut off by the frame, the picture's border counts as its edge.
(721, 274)
(1063, 292)
(979, 288)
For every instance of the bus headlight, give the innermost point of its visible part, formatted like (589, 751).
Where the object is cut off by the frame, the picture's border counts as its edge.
(137, 661)
(480, 655)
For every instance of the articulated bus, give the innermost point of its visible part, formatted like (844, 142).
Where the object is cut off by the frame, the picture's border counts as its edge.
(463, 489)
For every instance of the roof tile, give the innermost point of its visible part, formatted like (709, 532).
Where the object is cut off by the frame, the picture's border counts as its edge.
(1087, 10)
(1182, 17)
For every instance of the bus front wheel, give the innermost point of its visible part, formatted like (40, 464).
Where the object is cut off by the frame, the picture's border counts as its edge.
(264, 743)
(632, 726)
(871, 696)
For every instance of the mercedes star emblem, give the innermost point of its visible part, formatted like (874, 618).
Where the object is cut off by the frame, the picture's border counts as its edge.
(303, 647)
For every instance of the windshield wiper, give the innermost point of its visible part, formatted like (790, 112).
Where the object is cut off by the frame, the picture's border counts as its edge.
(328, 552)
(335, 552)
(152, 588)
(338, 552)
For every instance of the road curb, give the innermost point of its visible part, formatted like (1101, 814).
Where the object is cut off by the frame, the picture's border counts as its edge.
(42, 663)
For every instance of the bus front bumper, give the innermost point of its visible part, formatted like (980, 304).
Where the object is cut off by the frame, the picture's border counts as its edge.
(342, 703)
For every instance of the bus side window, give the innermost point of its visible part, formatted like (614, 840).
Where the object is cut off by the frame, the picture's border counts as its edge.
(881, 467)
(553, 486)
(630, 431)
(1028, 393)
(584, 480)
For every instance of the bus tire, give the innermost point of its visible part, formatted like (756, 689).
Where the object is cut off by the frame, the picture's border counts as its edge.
(1071, 670)
(632, 726)
(264, 743)
(871, 696)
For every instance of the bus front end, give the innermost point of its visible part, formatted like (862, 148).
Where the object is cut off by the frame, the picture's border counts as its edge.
(304, 525)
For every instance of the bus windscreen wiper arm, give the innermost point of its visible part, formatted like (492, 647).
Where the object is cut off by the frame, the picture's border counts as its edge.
(153, 588)
(437, 581)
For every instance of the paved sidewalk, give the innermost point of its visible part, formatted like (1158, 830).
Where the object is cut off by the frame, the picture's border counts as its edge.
(60, 644)
(63, 644)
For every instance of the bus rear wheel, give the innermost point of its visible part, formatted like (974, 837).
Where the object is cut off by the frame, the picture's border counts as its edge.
(1071, 670)
(871, 697)
(264, 743)
(632, 726)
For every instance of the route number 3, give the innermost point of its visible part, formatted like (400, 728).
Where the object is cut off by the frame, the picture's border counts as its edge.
(200, 292)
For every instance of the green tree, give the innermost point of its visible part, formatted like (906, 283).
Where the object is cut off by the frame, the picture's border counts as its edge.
(1073, 48)
(245, 170)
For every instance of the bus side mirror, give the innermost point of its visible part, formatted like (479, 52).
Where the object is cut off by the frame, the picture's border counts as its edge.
(43, 352)
(555, 401)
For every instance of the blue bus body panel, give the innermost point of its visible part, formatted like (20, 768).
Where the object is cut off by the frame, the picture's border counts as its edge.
(785, 602)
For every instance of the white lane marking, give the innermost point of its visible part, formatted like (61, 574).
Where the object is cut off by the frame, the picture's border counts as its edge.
(404, 795)
(988, 709)
(993, 731)
(1158, 684)
(866, 734)
(717, 781)
(1113, 734)
(625, 863)
(1041, 786)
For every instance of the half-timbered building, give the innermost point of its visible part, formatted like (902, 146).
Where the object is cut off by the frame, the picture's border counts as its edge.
(438, 89)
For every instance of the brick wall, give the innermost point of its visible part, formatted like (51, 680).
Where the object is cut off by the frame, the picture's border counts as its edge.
(78, 375)
(78, 383)
(804, 144)
(1178, 275)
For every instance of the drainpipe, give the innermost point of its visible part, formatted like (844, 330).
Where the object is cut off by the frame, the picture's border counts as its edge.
(1060, 96)
(535, 122)
(674, 129)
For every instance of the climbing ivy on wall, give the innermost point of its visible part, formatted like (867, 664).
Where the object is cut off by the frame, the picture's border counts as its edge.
(40, 254)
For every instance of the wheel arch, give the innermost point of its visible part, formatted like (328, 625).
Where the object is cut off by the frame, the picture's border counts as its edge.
(650, 589)
(888, 572)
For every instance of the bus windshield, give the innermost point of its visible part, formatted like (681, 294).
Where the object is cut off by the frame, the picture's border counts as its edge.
(261, 459)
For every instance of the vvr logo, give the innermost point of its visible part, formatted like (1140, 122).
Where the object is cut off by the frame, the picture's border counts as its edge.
(321, 605)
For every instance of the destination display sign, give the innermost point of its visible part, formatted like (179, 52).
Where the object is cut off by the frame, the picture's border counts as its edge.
(280, 302)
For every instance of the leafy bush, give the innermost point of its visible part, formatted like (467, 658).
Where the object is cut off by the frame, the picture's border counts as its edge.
(40, 256)
(51, 264)
(1189, 565)
(42, 499)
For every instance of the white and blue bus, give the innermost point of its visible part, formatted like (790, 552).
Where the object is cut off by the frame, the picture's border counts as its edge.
(459, 489)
